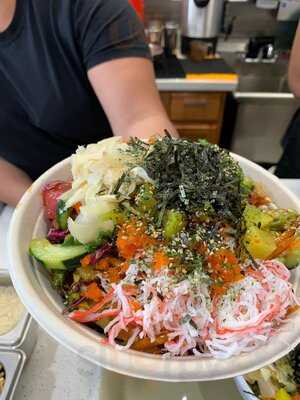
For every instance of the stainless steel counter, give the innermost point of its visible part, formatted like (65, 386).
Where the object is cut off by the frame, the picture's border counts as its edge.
(201, 85)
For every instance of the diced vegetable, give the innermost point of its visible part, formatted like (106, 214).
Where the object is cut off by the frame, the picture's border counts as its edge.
(70, 241)
(291, 258)
(62, 215)
(58, 279)
(145, 200)
(93, 292)
(282, 394)
(260, 244)
(281, 219)
(56, 256)
(86, 260)
(93, 219)
(174, 222)
(51, 194)
(247, 186)
(256, 217)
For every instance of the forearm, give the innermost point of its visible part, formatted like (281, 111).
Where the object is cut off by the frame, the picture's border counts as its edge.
(14, 183)
(146, 126)
(127, 91)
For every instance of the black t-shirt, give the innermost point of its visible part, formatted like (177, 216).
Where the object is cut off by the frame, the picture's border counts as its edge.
(47, 105)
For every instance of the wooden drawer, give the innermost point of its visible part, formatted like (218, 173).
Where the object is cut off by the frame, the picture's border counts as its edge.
(196, 107)
(211, 132)
(166, 100)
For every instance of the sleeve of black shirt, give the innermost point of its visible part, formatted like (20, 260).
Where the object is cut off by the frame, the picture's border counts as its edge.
(107, 30)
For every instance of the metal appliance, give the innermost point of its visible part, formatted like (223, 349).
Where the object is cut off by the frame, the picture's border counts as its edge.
(201, 19)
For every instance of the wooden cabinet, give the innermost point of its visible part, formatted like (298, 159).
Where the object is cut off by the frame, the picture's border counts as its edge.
(196, 114)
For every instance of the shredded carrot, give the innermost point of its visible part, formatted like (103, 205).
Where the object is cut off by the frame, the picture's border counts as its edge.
(85, 261)
(93, 292)
(134, 304)
(146, 344)
(295, 245)
(77, 207)
(160, 260)
(283, 243)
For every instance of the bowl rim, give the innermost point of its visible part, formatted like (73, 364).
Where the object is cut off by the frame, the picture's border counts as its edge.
(132, 363)
(244, 388)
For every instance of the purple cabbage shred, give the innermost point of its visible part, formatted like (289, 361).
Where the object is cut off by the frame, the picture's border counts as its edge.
(56, 236)
(100, 253)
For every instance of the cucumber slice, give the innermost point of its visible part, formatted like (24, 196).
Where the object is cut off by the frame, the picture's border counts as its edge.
(62, 215)
(56, 256)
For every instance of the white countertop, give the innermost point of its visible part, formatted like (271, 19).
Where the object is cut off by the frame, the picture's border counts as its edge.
(197, 85)
(55, 373)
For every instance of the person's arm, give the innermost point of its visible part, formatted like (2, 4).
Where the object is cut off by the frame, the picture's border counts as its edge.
(126, 90)
(294, 66)
(116, 56)
(14, 183)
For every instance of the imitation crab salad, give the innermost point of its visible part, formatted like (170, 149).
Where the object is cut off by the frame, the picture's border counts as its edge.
(166, 247)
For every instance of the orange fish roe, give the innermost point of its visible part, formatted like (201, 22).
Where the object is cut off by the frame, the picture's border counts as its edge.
(218, 290)
(224, 265)
(134, 304)
(112, 268)
(132, 238)
(160, 260)
(107, 263)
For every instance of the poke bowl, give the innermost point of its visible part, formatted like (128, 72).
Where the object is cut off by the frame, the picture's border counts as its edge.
(206, 358)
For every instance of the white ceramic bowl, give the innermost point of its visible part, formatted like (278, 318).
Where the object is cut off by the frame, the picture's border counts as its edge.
(45, 305)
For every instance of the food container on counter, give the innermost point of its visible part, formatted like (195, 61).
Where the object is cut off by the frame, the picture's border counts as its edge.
(13, 362)
(23, 335)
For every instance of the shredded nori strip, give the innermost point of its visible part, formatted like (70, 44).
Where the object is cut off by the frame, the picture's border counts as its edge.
(193, 176)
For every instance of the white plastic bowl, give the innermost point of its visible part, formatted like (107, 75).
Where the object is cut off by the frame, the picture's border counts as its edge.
(244, 388)
(45, 305)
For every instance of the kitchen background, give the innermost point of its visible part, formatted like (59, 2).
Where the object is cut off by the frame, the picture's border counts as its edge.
(258, 112)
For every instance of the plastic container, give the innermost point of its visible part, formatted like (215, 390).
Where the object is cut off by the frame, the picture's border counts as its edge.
(244, 388)
(13, 363)
(23, 336)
